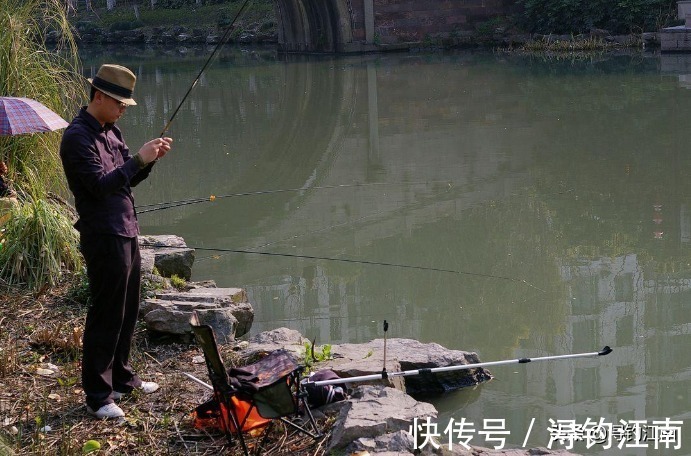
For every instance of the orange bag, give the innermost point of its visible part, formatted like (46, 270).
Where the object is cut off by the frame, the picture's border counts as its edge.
(213, 414)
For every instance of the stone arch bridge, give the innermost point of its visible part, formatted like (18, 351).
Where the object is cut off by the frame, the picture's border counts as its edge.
(341, 26)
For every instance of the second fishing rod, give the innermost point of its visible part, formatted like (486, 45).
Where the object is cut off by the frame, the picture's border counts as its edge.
(144, 208)
(219, 45)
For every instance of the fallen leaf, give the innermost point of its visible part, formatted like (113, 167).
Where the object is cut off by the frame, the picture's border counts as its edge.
(44, 372)
(90, 445)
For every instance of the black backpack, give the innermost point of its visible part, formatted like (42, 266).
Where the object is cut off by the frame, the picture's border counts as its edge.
(318, 395)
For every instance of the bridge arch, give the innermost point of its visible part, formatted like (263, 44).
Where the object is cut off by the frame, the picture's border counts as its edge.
(342, 26)
(314, 25)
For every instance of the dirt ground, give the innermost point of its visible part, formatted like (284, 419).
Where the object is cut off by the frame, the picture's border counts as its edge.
(42, 404)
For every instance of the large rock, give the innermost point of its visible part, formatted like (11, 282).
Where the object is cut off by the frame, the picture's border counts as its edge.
(169, 318)
(399, 443)
(276, 339)
(171, 256)
(352, 360)
(374, 411)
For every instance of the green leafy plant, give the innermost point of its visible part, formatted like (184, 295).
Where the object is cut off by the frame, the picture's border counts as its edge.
(178, 282)
(313, 354)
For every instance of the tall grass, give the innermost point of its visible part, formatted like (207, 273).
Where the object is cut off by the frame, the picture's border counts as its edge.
(40, 244)
(39, 241)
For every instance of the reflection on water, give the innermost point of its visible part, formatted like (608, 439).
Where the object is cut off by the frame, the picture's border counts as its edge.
(557, 191)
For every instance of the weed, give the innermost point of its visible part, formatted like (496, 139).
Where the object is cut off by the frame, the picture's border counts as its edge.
(52, 340)
(79, 288)
(178, 282)
(314, 355)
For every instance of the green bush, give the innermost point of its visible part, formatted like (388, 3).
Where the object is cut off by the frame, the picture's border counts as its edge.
(581, 16)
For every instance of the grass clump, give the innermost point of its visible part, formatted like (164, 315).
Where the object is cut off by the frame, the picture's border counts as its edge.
(40, 243)
(314, 355)
(575, 44)
(178, 282)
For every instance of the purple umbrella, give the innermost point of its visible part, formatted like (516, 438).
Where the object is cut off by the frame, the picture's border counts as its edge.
(23, 115)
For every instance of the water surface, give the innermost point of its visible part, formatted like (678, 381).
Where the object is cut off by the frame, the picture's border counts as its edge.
(556, 189)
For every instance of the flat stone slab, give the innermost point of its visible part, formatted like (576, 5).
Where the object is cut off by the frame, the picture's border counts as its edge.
(211, 295)
(224, 309)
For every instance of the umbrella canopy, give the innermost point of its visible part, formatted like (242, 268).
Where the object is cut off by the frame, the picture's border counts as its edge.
(24, 115)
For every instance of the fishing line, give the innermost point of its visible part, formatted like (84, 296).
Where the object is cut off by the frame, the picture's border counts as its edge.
(297, 236)
(366, 262)
(221, 42)
(330, 227)
(171, 204)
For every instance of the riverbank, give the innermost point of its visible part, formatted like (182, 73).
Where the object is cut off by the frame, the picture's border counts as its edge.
(206, 24)
(41, 402)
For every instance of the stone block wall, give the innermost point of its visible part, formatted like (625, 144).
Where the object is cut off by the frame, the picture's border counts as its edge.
(675, 39)
(400, 21)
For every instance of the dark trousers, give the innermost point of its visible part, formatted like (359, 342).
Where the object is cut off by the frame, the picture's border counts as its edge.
(113, 266)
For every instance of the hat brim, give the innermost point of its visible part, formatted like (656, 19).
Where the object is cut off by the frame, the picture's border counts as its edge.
(127, 101)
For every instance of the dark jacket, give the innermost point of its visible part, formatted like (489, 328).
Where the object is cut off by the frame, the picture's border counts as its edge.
(100, 172)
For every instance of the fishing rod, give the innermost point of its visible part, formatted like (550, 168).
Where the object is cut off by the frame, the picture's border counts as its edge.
(171, 204)
(220, 43)
(353, 261)
(385, 375)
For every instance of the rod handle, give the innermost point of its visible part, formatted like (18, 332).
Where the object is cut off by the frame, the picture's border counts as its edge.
(606, 350)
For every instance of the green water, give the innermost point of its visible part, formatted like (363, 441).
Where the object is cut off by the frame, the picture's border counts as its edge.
(556, 189)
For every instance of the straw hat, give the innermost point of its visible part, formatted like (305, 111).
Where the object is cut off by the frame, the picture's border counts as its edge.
(115, 81)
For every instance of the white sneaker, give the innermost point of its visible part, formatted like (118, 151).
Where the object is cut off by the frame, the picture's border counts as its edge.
(146, 388)
(107, 411)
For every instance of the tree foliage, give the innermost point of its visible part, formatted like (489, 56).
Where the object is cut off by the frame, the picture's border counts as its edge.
(582, 16)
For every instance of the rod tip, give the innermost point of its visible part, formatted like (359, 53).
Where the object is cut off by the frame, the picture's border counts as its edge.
(605, 351)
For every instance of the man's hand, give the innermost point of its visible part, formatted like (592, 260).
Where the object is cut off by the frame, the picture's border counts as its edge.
(154, 149)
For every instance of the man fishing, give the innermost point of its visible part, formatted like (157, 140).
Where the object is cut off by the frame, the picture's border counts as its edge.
(100, 172)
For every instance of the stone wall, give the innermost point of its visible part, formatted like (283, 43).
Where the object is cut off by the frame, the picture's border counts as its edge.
(400, 21)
